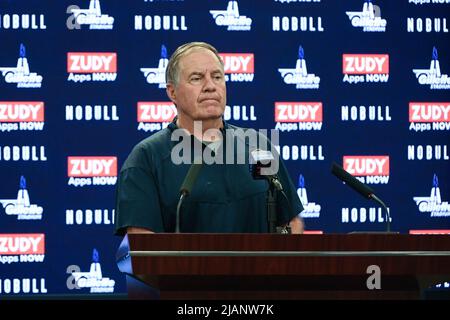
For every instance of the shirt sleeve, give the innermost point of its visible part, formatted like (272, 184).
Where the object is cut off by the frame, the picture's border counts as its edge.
(137, 201)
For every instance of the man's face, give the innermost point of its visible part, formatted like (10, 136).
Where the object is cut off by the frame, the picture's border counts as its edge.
(201, 91)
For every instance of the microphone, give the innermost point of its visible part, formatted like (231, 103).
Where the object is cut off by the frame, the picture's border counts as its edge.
(361, 188)
(186, 188)
(261, 167)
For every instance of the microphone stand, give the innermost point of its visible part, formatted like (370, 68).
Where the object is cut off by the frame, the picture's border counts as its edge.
(388, 216)
(271, 207)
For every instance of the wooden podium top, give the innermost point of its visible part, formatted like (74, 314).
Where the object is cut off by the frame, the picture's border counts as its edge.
(175, 262)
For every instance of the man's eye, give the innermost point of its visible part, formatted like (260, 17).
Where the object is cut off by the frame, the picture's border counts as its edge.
(195, 78)
(218, 77)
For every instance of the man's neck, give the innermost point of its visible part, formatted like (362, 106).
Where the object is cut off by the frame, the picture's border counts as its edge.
(205, 130)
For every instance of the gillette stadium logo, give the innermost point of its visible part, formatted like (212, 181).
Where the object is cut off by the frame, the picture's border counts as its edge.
(22, 248)
(360, 68)
(311, 209)
(157, 75)
(91, 66)
(426, 116)
(368, 169)
(369, 18)
(299, 75)
(92, 279)
(97, 171)
(93, 17)
(21, 205)
(154, 116)
(433, 76)
(231, 18)
(21, 115)
(433, 204)
(20, 74)
(238, 67)
(292, 116)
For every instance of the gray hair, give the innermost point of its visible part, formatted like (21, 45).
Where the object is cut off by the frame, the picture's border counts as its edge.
(173, 71)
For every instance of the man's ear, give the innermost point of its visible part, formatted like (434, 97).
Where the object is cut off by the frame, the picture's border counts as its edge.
(170, 90)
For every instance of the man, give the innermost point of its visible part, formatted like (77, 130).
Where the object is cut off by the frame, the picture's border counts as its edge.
(225, 197)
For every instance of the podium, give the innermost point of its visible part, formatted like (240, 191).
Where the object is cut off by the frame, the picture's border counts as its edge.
(282, 266)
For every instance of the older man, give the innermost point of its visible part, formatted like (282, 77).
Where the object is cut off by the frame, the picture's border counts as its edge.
(225, 198)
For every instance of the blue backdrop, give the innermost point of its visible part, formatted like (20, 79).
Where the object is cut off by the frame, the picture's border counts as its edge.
(363, 84)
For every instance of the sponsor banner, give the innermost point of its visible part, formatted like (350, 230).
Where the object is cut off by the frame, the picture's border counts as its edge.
(427, 231)
(300, 75)
(89, 216)
(363, 215)
(291, 116)
(22, 248)
(21, 115)
(368, 19)
(22, 285)
(238, 67)
(157, 75)
(433, 203)
(92, 17)
(21, 74)
(91, 170)
(363, 113)
(22, 21)
(91, 112)
(21, 206)
(365, 68)
(427, 116)
(427, 24)
(155, 115)
(22, 153)
(293, 23)
(428, 152)
(231, 18)
(311, 209)
(301, 152)
(240, 113)
(92, 279)
(368, 169)
(91, 66)
(433, 76)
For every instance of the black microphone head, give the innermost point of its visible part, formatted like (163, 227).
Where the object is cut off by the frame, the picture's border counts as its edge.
(190, 178)
(351, 181)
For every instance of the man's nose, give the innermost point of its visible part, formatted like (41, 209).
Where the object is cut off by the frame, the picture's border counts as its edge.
(209, 84)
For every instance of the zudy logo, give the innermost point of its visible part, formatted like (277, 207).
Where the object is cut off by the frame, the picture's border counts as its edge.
(368, 169)
(91, 66)
(154, 116)
(360, 68)
(298, 116)
(90, 170)
(21, 115)
(238, 67)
